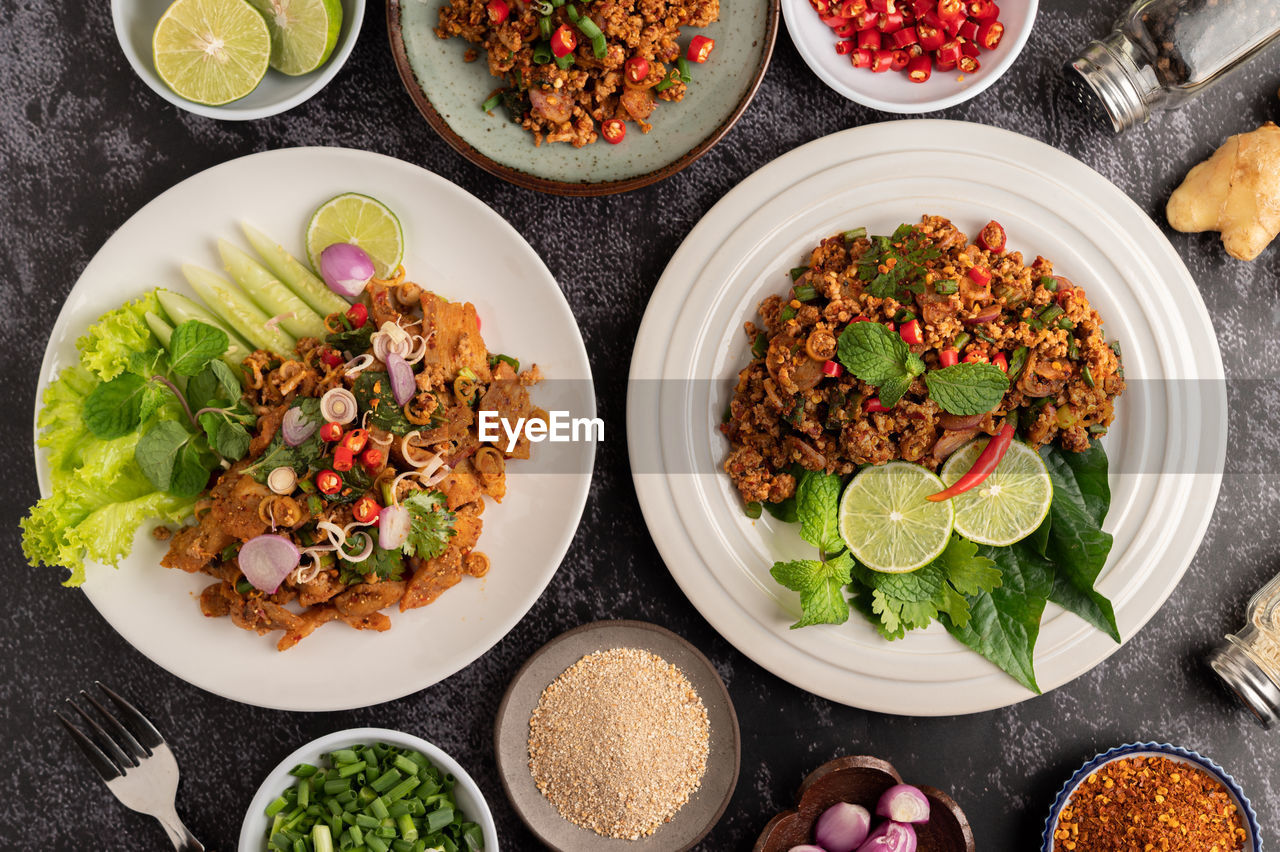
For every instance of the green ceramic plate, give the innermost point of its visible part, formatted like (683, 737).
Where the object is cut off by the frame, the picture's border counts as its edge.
(449, 92)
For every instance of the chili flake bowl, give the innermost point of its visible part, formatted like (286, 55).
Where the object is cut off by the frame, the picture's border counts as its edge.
(892, 91)
(471, 802)
(861, 780)
(135, 23)
(1253, 838)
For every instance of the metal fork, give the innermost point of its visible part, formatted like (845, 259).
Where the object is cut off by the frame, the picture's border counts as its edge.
(134, 761)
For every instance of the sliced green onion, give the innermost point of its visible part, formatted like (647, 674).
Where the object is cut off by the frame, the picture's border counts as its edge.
(588, 26)
(1050, 313)
(563, 62)
(572, 11)
(1088, 377)
(542, 54)
(760, 345)
(1065, 323)
(321, 838)
(1073, 349)
(491, 102)
(752, 510)
(1017, 361)
(797, 271)
(805, 293)
(277, 806)
(244, 587)
(787, 313)
(854, 234)
(303, 770)
(1097, 429)
(945, 287)
(544, 27)
(682, 65)
(961, 339)
(599, 47)
(1049, 283)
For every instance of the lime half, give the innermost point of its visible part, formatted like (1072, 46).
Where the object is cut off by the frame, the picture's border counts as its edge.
(887, 522)
(358, 219)
(303, 32)
(1010, 503)
(211, 51)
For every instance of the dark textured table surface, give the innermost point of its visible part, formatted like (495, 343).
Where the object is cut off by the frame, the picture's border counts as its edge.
(83, 144)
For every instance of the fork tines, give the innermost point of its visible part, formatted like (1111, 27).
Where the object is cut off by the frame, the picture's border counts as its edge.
(125, 747)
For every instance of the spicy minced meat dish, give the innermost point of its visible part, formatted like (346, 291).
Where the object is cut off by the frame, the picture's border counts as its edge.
(575, 70)
(334, 457)
(951, 301)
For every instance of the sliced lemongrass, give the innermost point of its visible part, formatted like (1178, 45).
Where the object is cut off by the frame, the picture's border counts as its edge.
(359, 364)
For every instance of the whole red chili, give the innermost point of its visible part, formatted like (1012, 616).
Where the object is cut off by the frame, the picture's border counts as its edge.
(328, 482)
(614, 130)
(637, 68)
(358, 314)
(987, 461)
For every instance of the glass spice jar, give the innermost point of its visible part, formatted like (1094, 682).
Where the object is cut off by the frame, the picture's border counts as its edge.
(1162, 53)
(1249, 661)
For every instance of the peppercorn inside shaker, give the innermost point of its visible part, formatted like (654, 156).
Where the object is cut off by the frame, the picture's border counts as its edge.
(1163, 53)
(1249, 661)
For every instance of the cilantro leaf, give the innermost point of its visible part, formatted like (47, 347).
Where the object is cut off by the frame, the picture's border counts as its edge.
(431, 524)
(193, 345)
(872, 352)
(892, 390)
(965, 569)
(817, 499)
(894, 267)
(821, 587)
(965, 389)
(113, 409)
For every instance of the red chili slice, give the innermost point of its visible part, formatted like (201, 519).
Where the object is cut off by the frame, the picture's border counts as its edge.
(948, 357)
(911, 332)
(373, 459)
(834, 21)
(637, 69)
(987, 461)
(968, 30)
(976, 358)
(984, 10)
(343, 458)
(853, 8)
(844, 48)
(952, 14)
(1001, 361)
(992, 237)
(358, 314)
(919, 69)
(882, 61)
(884, 5)
(614, 130)
(832, 369)
(822, 7)
(563, 41)
(948, 55)
(870, 39)
(498, 10)
(889, 22)
(366, 509)
(328, 482)
(980, 276)
(331, 432)
(355, 440)
(990, 33)
(848, 31)
(968, 64)
(330, 357)
(874, 405)
(900, 60)
(904, 37)
(889, 325)
(862, 58)
(700, 48)
(867, 20)
(931, 37)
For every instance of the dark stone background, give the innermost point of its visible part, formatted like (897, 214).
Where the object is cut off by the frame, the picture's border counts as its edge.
(83, 144)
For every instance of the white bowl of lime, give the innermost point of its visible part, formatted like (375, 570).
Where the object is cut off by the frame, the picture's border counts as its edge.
(237, 64)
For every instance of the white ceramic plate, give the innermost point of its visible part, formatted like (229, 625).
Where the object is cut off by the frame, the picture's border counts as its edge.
(454, 245)
(467, 794)
(1167, 446)
(891, 91)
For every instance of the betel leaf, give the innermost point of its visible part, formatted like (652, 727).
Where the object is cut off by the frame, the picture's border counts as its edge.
(817, 499)
(872, 352)
(373, 393)
(113, 409)
(1004, 623)
(193, 345)
(821, 587)
(353, 339)
(1076, 542)
(965, 389)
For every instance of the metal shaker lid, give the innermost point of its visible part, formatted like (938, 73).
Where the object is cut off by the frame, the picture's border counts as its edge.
(1238, 669)
(1113, 79)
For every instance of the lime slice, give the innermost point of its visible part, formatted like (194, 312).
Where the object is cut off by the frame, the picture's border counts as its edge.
(358, 219)
(211, 51)
(303, 32)
(887, 522)
(1010, 503)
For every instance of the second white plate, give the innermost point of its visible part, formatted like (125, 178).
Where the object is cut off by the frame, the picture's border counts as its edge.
(1167, 446)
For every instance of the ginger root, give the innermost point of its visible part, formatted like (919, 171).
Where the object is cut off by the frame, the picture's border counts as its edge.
(1235, 192)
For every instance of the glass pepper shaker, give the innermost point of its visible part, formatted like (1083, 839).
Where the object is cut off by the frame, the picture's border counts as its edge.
(1249, 661)
(1162, 53)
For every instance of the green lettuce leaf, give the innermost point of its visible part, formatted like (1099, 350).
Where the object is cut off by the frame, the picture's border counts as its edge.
(113, 343)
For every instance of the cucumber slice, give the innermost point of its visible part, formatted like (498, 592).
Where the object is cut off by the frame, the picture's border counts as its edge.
(180, 309)
(269, 294)
(294, 274)
(235, 308)
(161, 329)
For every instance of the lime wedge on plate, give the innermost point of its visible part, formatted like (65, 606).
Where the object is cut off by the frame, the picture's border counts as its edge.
(887, 522)
(303, 32)
(358, 219)
(211, 51)
(1010, 503)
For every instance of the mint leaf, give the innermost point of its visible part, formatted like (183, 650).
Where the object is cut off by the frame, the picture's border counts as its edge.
(817, 499)
(1004, 623)
(192, 465)
(431, 524)
(893, 389)
(914, 364)
(193, 345)
(228, 438)
(966, 389)
(215, 382)
(1076, 543)
(821, 587)
(872, 352)
(114, 408)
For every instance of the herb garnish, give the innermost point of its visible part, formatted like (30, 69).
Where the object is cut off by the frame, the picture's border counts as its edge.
(431, 524)
(820, 581)
(894, 267)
